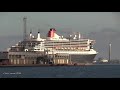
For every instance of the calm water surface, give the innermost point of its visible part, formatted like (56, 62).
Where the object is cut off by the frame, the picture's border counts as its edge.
(93, 71)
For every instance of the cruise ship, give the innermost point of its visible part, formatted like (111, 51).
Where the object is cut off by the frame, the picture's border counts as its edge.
(53, 49)
(80, 50)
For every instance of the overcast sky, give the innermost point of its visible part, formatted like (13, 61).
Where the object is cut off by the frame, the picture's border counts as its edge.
(11, 23)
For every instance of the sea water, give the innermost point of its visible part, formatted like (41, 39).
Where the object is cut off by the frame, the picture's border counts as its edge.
(90, 71)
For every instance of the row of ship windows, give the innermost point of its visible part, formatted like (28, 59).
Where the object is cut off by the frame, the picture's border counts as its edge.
(66, 41)
(69, 48)
(68, 44)
(52, 43)
(31, 44)
(13, 56)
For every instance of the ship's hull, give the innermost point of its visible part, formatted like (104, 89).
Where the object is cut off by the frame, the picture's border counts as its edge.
(78, 56)
(82, 58)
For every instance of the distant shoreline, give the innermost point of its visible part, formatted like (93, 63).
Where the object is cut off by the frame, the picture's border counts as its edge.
(51, 65)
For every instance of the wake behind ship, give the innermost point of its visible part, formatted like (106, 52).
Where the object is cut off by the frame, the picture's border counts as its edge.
(53, 49)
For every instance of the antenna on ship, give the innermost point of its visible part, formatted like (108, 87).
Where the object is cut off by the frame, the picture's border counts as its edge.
(79, 36)
(109, 52)
(30, 33)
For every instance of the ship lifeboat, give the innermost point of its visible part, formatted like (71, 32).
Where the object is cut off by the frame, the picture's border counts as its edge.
(71, 48)
(65, 48)
(78, 47)
(81, 49)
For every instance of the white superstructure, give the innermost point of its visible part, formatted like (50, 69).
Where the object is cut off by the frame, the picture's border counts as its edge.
(55, 43)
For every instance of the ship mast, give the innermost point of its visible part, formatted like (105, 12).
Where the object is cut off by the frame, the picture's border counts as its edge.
(25, 31)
